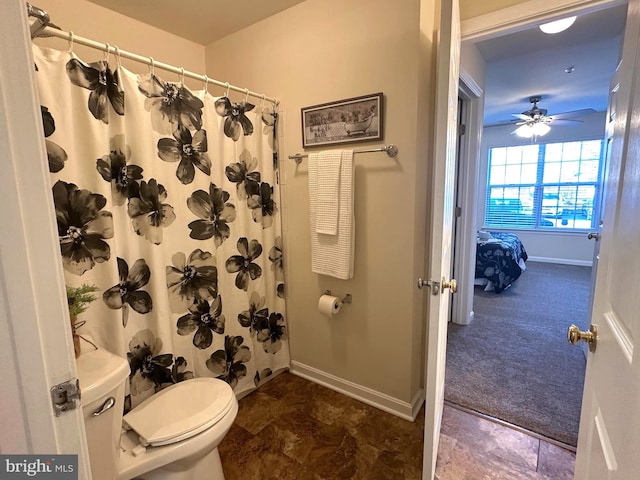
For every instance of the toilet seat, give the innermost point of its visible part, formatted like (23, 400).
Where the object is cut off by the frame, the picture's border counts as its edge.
(180, 411)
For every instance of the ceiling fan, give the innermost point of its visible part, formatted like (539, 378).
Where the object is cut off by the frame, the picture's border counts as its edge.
(535, 121)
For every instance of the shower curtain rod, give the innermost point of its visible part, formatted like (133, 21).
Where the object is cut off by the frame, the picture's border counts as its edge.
(42, 19)
(391, 150)
(105, 47)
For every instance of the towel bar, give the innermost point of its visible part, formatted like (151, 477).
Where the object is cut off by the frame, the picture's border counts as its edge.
(391, 150)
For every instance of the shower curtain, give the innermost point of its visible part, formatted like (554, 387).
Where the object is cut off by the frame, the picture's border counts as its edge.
(167, 201)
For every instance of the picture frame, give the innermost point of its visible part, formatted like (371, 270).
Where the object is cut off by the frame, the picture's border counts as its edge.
(357, 119)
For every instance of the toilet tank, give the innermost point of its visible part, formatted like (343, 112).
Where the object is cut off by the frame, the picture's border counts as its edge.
(102, 377)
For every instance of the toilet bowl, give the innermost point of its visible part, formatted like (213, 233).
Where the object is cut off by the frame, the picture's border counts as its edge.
(173, 435)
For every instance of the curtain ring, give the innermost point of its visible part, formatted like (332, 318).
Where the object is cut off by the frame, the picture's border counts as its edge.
(227, 92)
(71, 42)
(118, 57)
(264, 97)
(246, 95)
(206, 84)
(106, 52)
(152, 66)
(182, 76)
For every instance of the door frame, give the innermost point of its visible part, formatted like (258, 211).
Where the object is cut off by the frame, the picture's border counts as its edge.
(467, 182)
(36, 346)
(520, 17)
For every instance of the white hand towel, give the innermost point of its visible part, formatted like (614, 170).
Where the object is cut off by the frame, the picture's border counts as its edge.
(334, 254)
(328, 179)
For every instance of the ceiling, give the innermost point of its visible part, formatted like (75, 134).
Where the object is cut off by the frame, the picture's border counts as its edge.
(201, 21)
(530, 62)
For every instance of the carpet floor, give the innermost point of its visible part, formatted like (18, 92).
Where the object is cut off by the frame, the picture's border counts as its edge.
(513, 361)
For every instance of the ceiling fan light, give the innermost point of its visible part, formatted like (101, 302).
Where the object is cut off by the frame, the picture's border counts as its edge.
(558, 25)
(540, 129)
(524, 131)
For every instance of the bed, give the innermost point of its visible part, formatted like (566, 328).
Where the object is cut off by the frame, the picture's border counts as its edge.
(500, 260)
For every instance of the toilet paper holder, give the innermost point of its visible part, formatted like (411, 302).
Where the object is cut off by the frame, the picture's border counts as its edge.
(346, 299)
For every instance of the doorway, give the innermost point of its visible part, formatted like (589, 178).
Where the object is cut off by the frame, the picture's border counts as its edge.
(518, 288)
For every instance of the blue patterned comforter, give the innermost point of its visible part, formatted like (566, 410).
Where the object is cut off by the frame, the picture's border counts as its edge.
(498, 261)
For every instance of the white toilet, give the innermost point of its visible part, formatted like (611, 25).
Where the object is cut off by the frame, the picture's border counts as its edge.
(173, 435)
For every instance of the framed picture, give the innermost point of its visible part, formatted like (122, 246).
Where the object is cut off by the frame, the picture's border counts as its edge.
(346, 121)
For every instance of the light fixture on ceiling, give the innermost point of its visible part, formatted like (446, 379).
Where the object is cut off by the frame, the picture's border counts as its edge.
(558, 25)
(533, 129)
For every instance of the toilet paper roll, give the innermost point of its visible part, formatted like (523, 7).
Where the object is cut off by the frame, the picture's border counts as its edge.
(328, 305)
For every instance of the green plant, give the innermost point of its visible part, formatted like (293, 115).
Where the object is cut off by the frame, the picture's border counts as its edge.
(79, 298)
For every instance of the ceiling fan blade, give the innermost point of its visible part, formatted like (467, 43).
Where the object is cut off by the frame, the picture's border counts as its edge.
(521, 116)
(497, 124)
(554, 121)
(574, 113)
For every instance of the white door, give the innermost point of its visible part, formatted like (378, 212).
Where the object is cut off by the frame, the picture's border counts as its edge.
(441, 224)
(610, 126)
(35, 345)
(609, 439)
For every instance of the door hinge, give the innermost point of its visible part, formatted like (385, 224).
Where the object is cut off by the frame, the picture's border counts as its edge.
(457, 212)
(65, 396)
(462, 129)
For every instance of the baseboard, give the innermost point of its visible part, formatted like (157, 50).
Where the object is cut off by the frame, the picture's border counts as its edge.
(467, 321)
(405, 410)
(562, 261)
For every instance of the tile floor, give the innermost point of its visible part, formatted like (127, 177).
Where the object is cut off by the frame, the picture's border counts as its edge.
(293, 429)
(473, 448)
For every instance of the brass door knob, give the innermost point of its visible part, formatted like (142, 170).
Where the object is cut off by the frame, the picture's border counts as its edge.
(575, 335)
(451, 285)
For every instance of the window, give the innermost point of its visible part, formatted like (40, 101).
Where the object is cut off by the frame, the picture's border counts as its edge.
(543, 186)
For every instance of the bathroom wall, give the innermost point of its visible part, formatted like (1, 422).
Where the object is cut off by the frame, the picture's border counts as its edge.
(325, 50)
(316, 52)
(474, 8)
(103, 25)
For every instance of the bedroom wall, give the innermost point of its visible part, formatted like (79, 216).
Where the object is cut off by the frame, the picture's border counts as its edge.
(325, 50)
(472, 62)
(472, 79)
(559, 247)
(473, 66)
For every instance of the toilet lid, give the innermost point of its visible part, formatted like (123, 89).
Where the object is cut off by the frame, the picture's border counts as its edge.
(180, 411)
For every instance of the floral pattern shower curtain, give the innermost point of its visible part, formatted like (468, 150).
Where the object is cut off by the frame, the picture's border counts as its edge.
(167, 201)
